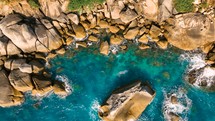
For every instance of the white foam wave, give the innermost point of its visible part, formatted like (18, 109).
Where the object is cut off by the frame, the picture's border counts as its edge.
(114, 49)
(206, 74)
(94, 109)
(122, 72)
(196, 60)
(66, 81)
(180, 108)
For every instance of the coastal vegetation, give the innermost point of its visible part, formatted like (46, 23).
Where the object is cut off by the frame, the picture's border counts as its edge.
(34, 3)
(78, 4)
(184, 6)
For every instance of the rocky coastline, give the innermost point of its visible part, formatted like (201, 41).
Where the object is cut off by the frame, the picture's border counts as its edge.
(29, 37)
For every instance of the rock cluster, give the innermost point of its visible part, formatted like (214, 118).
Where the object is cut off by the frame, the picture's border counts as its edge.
(127, 103)
(31, 34)
(23, 75)
(190, 31)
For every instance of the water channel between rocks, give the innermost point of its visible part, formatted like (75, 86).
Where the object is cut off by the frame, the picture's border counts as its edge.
(92, 77)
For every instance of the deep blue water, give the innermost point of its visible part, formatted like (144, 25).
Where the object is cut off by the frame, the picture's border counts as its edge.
(93, 77)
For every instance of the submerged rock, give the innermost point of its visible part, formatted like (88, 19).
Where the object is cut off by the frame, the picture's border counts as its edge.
(127, 103)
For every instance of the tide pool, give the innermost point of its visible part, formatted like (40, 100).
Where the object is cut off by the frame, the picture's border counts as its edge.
(93, 77)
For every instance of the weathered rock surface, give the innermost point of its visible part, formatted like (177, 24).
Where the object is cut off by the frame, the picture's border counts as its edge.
(20, 81)
(132, 33)
(42, 86)
(150, 9)
(8, 95)
(104, 48)
(93, 38)
(79, 31)
(116, 40)
(154, 32)
(43, 33)
(162, 44)
(28, 36)
(74, 18)
(113, 29)
(190, 31)
(128, 15)
(127, 103)
(60, 88)
(144, 46)
(53, 8)
(166, 9)
(143, 39)
(20, 6)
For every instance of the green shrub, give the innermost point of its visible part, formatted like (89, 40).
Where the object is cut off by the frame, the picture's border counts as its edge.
(204, 5)
(34, 3)
(183, 6)
(77, 4)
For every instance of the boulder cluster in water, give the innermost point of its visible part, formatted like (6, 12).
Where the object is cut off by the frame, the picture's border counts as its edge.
(127, 103)
(29, 37)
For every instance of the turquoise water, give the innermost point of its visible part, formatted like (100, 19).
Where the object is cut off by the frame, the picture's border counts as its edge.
(93, 76)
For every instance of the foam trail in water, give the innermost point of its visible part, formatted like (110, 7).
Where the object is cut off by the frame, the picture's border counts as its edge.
(66, 81)
(180, 108)
(94, 109)
(122, 72)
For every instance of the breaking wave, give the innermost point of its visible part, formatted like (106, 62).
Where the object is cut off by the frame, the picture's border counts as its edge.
(203, 74)
(179, 108)
(66, 81)
(94, 107)
(206, 77)
(196, 60)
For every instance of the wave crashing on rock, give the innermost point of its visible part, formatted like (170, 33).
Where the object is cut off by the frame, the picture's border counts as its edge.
(176, 105)
(199, 73)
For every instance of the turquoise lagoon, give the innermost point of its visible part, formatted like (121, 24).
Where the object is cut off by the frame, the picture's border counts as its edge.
(93, 77)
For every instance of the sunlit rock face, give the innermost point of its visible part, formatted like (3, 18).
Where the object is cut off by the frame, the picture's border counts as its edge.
(127, 103)
(24, 34)
(190, 31)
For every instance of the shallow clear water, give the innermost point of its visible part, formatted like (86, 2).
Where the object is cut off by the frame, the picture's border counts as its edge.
(93, 77)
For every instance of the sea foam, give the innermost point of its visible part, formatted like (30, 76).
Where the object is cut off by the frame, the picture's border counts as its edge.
(196, 60)
(206, 74)
(67, 82)
(122, 73)
(181, 108)
(94, 107)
